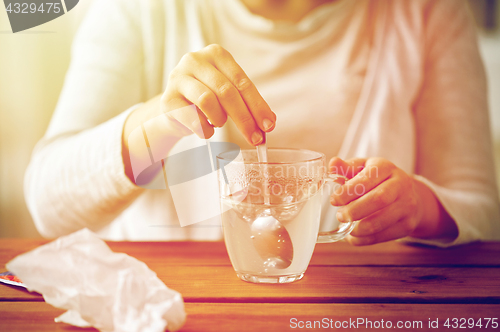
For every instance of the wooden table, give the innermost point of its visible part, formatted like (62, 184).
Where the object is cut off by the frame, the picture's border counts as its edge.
(393, 282)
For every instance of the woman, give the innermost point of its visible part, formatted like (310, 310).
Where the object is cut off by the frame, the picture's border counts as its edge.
(392, 85)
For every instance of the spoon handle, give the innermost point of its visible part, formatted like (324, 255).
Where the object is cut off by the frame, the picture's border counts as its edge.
(262, 156)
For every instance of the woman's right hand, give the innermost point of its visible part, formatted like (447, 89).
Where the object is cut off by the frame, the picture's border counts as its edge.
(213, 81)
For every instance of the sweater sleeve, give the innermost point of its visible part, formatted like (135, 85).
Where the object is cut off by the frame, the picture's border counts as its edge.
(454, 150)
(76, 176)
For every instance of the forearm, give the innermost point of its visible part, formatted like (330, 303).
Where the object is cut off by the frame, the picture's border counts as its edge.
(435, 222)
(78, 181)
(148, 136)
(453, 149)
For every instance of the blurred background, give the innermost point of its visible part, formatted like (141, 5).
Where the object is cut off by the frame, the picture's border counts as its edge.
(33, 64)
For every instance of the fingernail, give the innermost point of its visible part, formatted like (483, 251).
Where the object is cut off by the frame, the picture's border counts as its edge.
(256, 138)
(267, 124)
(340, 216)
(334, 199)
(340, 180)
(343, 217)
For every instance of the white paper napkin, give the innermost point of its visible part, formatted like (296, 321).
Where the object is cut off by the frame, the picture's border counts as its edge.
(109, 291)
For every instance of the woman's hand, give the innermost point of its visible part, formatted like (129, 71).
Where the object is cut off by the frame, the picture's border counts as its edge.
(388, 203)
(213, 81)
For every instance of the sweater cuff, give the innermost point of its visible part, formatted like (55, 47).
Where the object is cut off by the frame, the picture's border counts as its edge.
(457, 206)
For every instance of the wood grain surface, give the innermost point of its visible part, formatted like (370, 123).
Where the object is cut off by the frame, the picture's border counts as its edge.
(391, 281)
(216, 317)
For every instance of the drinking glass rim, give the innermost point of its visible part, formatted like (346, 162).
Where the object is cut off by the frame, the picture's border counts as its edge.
(320, 157)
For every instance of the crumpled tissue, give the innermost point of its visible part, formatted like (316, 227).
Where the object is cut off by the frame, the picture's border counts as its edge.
(100, 288)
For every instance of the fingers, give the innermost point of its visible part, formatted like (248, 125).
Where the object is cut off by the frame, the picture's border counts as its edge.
(213, 81)
(400, 229)
(376, 171)
(200, 95)
(378, 221)
(257, 106)
(396, 220)
(231, 101)
(193, 119)
(378, 198)
(348, 168)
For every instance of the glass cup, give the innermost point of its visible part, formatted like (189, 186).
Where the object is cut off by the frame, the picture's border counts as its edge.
(272, 212)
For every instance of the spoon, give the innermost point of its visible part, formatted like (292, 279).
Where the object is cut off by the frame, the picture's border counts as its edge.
(272, 242)
(271, 239)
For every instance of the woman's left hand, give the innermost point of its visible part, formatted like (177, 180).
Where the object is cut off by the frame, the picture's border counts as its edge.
(382, 197)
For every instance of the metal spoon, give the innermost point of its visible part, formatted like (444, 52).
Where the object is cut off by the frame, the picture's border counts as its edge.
(272, 242)
(271, 239)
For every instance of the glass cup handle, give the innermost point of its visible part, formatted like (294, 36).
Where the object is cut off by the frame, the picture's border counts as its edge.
(343, 229)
